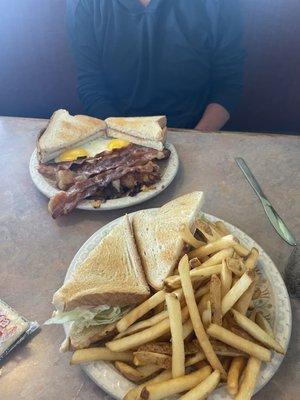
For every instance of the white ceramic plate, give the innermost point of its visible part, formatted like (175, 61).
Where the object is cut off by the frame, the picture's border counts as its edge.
(169, 171)
(274, 304)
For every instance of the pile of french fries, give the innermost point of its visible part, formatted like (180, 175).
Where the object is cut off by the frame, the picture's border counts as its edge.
(201, 331)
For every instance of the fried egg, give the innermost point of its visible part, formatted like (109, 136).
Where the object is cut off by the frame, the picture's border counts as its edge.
(91, 149)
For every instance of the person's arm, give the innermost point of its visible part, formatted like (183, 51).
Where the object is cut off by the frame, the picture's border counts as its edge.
(91, 81)
(227, 66)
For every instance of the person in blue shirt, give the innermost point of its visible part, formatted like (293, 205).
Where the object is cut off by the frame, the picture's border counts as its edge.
(182, 58)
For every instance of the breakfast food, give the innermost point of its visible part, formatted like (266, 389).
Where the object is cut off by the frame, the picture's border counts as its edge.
(80, 157)
(201, 327)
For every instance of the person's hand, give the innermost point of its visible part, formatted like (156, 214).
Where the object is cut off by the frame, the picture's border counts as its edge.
(214, 118)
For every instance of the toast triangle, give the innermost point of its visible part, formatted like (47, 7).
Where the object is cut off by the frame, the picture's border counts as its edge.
(157, 235)
(112, 274)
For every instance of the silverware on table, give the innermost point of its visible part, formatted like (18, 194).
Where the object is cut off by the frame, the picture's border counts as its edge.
(292, 271)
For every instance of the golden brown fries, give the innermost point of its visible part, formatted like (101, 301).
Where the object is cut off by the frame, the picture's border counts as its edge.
(194, 262)
(189, 238)
(264, 324)
(252, 258)
(99, 354)
(195, 359)
(226, 278)
(146, 323)
(249, 380)
(234, 373)
(223, 243)
(204, 388)
(244, 301)
(251, 348)
(218, 257)
(224, 350)
(208, 230)
(147, 357)
(157, 391)
(148, 370)
(140, 310)
(184, 272)
(178, 356)
(236, 291)
(236, 266)
(129, 372)
(257, 332)
(241, 250)
(134, 393)
(187, 329)
(207, 315)
(215, 299)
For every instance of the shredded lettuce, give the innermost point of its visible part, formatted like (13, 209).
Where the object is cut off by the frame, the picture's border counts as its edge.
(84, 318)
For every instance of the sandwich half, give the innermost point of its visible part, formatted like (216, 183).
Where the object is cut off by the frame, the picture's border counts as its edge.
(110, 280)
(145, 131)
(157, 235)
(65, 131)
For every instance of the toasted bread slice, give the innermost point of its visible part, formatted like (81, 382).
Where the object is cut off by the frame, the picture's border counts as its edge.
(112, 274)
(157, 235)
(145, 131)
(65, 131)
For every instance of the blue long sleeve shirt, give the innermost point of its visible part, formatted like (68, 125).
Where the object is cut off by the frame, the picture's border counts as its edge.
(172, 57)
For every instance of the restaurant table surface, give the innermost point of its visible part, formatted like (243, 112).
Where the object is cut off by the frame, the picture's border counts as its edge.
(35, 250)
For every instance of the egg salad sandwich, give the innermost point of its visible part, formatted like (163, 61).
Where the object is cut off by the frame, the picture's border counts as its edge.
(104, 287)
(157, 235)
(87, 160)
(145, 131)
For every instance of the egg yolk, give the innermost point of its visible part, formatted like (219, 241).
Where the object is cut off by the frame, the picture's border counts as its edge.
(72, 154)
(117, 144)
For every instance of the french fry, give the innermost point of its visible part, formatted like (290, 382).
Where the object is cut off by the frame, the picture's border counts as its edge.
(128, 371)
(188, 237)
(256, 331)
(195, 317)
(187, 329)
(140, 325)
(157, 347)
(148, 370)
(218, 257)
(134, 393)
(208, 230)
(240, 332)
(99, 354)
(236, 291)
(241, 250)
(201, 364)
(215, 299)
(244, 301)
(222, 228)
(249, 381)
(252, 316)
(264, 324)
(192, 347)
(226, 278)
(157, 391)
(196, 273)
(234, 373)
(251, 348)
(204, 388)
(202, 306)
(236, 266)
(140, 310)
(223, 243)
(252, 258)
(195, 358)
(145, 336)
(194, 262)
(224, 350)
(148, 357)
(178, 355)
(207, 315)
(201, 291)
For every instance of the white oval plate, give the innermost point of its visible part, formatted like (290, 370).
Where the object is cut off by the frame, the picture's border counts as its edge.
(274, 303)
(168, 174)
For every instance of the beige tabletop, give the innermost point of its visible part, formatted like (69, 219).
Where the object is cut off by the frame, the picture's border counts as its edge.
(35, 250)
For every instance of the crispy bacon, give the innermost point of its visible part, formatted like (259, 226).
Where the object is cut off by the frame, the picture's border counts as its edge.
(65, 202)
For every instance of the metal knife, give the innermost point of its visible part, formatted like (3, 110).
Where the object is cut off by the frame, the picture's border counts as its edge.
(273, 216)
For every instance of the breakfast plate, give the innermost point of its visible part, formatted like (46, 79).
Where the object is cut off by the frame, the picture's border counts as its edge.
(273, 303)
(169, 170)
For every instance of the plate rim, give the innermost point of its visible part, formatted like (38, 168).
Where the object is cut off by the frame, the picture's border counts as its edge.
(114, 204)
(89, 369)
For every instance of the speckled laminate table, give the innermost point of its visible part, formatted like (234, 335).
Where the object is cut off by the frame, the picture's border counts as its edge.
(35, 250)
